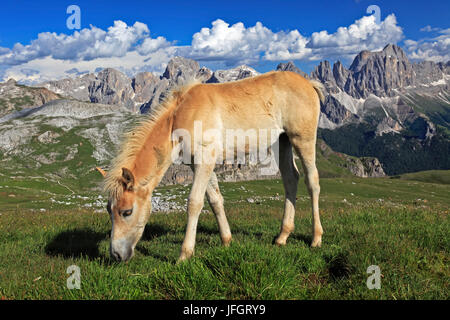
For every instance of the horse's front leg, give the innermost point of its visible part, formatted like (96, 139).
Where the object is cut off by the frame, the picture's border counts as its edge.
(202, 172)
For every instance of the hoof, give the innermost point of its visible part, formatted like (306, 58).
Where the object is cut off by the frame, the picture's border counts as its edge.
(316, 243)
(279, 243)
(226, 242)
(185, 256)
(182, 259)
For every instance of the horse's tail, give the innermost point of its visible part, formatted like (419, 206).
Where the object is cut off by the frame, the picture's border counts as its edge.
(319, 89)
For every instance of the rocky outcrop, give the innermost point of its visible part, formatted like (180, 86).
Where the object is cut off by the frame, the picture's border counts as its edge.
(112, 87)
(143, 84)
(335, 111)
(158, 92)
(15, 97)
(180, 70)
(364, 167)
(324, 74)
(428, 72)
(182, 174)
(76, 88)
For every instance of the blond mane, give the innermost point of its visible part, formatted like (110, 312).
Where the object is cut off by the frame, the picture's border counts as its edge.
(135, 139)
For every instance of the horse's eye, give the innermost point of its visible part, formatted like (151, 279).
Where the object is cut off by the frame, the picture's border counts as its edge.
(126, 213)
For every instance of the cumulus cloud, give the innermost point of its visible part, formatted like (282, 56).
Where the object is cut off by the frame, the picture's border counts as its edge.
(363, 34)
(150, 45)
(435, 49)
(54, 56)
(239, 44)
(87, 44)
(233, 44)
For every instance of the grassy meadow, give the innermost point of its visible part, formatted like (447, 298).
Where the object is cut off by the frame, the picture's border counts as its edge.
(400, 224)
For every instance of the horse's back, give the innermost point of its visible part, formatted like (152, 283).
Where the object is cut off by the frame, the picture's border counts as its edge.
(279, 99)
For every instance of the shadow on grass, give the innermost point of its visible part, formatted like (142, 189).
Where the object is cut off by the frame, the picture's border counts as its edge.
(339, 266)
(258, 235)
(76, 244)
(146, 252)
(153, 231)
(307, 239)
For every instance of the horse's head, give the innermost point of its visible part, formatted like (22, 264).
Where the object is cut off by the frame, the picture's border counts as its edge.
(129, 210)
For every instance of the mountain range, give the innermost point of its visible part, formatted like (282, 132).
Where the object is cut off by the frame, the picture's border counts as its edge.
(383, 107)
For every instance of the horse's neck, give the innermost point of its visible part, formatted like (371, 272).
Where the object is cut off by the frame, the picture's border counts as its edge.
(160, 171)
(156, 158)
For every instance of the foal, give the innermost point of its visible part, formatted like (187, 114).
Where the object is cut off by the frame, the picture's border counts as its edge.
(284, 102)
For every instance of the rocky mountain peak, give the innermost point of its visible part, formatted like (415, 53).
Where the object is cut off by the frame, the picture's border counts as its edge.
(111, 87)
(109, 73)
(180, 69)
(360, 60)
(394, 50)
(11, 81)
(324, 74)
(340, 74)
(290, 66)
(142, 85)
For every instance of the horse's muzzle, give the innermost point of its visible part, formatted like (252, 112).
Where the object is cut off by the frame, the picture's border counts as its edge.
(121, 250)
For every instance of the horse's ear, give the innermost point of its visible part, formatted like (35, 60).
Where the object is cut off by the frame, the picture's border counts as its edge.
(103, 172)
(128, 179)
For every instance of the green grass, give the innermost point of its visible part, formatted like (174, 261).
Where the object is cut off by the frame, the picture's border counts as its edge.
(400, 225)
(431, 176)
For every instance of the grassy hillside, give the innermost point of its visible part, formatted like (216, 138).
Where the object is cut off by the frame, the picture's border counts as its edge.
(400, 225)
(432, 176)
(398, 153)
(406, 151)
(437, 109)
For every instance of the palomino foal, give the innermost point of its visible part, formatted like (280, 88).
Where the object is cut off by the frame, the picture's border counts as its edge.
(283, 101)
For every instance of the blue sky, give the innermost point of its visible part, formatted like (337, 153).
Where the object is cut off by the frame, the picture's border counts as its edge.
(286, 32)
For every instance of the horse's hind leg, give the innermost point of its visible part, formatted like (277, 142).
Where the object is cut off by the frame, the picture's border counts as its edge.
(215, 200)
(202, 172)
(306, 149)
(290, 176)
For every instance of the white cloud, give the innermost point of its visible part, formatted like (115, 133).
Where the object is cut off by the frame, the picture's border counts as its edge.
(87, 44)
(429, 28)
(233, 44)
(363, 34)
(150, 45)
(238, 44)
(435, 49)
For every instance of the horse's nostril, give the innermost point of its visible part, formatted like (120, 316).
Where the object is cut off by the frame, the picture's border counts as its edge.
(116, 255)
